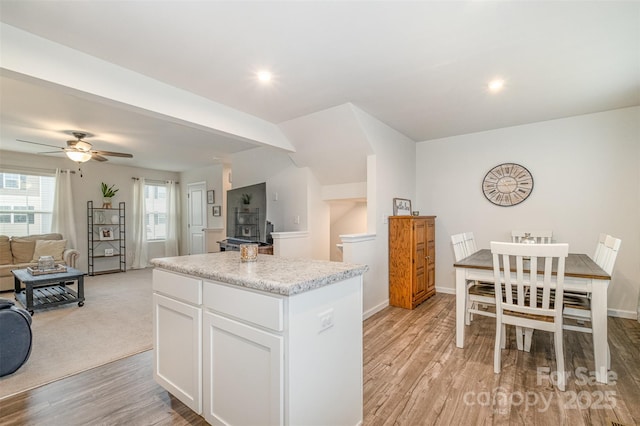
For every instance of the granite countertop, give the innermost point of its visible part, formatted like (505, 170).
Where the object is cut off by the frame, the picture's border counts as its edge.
(269, 273)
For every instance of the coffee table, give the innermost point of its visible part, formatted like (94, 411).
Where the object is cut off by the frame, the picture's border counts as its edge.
(44, 291)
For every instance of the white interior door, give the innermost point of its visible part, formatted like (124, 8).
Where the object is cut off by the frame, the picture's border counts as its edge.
(197, 216)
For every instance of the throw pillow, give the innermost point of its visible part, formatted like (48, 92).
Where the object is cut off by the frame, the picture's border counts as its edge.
(53, 248)
(5, 251)
(22, 250)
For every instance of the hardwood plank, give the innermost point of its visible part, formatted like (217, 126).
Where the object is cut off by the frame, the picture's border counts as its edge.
(413, 375)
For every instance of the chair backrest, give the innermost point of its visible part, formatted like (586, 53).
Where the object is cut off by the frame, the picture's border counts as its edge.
(464, 245)
(609, 253)
(542, 237)
(533, 257)
(470, 243)
(597, 255)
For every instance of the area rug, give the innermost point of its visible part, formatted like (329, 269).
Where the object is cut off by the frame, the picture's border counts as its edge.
(115, 322)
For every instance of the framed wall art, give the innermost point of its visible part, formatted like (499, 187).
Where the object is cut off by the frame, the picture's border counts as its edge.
(106, 233)
(211, 196)
(401, 207)
(216, 210)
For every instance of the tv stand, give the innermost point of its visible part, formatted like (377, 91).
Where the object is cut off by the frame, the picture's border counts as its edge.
(233, 244)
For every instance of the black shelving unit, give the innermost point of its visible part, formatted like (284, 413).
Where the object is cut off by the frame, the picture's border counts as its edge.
(246, 224)
(105, 234)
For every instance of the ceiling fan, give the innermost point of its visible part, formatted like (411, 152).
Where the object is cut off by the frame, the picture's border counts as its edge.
(80, 150)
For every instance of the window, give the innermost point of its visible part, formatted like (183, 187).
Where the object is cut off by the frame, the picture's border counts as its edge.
(26, 203)
(155, 208)
(13, 181)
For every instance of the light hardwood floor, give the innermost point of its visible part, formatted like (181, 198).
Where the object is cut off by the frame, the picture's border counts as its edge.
(413, 375)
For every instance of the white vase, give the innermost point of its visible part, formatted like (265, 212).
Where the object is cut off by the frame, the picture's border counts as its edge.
(115, 219)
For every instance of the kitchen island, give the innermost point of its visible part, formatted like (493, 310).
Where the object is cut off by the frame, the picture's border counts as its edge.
(272, 342)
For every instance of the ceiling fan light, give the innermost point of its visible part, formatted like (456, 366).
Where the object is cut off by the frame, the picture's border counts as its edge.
(79, 156)
(82, 146)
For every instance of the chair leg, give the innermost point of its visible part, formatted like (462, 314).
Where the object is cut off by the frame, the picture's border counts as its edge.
(503, 337)
(560, 359)
(519, 338)
(467, 315)
(497, 350)
(528, 333)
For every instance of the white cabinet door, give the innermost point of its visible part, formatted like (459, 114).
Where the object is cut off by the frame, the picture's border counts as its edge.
(243, 374)
(177, 334)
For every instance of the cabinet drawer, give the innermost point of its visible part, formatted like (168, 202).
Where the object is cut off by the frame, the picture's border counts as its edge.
(181, 287)
(246, 305)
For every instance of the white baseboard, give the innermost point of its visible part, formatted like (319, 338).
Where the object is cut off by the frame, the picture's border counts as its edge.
(622, 314)
(375, 309)
(447, 290)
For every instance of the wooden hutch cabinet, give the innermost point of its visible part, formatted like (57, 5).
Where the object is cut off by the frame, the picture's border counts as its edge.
(412, 260)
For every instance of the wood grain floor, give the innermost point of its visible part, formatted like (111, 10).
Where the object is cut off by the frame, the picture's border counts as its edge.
(413, 375)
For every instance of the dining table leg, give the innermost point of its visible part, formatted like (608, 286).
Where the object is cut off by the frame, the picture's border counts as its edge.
(461, 301)
(599, 327)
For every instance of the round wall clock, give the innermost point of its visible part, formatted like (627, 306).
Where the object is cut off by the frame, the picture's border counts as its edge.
(507, 184)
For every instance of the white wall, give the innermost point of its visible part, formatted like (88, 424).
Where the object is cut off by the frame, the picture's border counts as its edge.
(87, 188)
(586, 172)
(347, 217)
(390, 173)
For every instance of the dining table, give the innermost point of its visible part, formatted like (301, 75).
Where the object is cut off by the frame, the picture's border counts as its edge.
(582, 275)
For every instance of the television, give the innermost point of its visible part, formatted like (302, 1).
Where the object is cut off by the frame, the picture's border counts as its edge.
(247, 214)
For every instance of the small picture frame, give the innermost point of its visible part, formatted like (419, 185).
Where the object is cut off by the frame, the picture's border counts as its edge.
(401, 207)
(211, 196)
(246, 231)
(105, 233)
(108, 252)
(216, 210)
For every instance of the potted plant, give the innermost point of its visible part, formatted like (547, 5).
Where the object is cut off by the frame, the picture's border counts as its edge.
(108, 192)
(246, 198)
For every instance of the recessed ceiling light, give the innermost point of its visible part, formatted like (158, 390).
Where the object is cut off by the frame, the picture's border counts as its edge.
(496, 85)
(264, 76)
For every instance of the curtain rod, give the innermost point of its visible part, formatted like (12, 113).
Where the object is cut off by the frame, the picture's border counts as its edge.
(10, 168)
(154, 180)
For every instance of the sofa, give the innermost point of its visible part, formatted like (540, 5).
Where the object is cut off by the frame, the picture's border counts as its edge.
(20, 252)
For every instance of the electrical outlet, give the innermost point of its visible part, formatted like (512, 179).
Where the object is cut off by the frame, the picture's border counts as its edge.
(326, 320)
(296, 220)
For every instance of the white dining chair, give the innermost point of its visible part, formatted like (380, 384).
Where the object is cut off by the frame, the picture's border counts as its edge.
(599, 252)
(463, 245)
(480, 295)
(529, 300)
(577, 306)
(541, 237)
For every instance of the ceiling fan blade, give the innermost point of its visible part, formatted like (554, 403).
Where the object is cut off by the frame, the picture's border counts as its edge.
(38, 143)
(50, 152)
(98, 157)
(113, 154)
